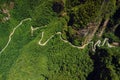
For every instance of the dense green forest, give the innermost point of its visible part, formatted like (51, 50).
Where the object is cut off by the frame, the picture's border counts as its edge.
(79, 22)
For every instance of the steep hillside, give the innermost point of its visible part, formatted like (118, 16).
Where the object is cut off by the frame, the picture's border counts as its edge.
(59, 40)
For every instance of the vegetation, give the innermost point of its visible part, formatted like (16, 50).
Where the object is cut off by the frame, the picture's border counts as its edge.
(25, 59)
(104, 64)
(84, 14)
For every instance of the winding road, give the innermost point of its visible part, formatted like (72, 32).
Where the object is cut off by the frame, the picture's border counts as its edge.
(94, 45)
(12, 33)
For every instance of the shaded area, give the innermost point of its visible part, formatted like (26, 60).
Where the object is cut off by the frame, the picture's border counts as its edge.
(117, 31)
(103, 70)
(57, 7)
(116, 15)
(71, 20)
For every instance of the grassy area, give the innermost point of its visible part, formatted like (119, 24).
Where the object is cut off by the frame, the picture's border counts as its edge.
(25, 59)
(37, 62)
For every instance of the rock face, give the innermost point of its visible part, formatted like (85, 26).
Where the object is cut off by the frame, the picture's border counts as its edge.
(6, 11)
(11, 5)
(88, 14)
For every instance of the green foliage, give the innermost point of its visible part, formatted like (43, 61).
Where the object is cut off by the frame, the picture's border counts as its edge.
(109, 9)
(84, 12)
(42, 14)
(105, 61)
(10, 55)
(25, 59)
(112, 37)
(67, 64)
